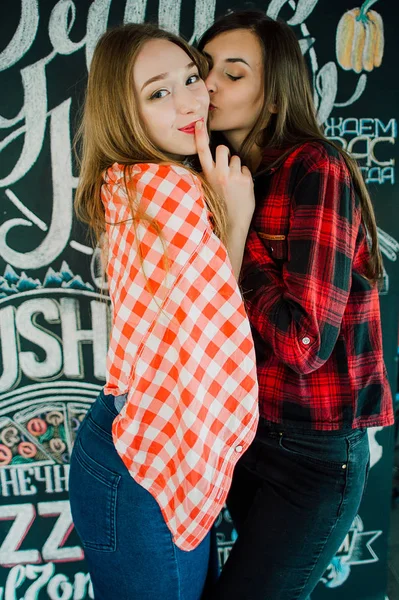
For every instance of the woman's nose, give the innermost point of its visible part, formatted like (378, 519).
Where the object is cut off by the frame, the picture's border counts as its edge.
(210, 83)
(187, 102)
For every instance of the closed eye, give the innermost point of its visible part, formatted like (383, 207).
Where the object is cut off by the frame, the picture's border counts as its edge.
(234, 78)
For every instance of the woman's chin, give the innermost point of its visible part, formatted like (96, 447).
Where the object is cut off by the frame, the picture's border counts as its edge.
(216, 123)
(180, 152)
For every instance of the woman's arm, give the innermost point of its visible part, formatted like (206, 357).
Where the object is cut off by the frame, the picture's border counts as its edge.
(233, 183)
(236, 238)
(298, 309)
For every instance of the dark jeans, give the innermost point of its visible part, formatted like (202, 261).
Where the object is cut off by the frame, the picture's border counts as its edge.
(128, 547)
(293, 499)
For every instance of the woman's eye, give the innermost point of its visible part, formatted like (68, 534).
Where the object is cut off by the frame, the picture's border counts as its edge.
(234, 78)
(192, 79)
(158, 94)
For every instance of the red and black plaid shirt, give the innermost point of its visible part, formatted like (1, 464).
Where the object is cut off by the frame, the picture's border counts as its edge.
(315, 318)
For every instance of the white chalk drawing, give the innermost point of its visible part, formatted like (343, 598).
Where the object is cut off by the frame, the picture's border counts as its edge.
(389, 247)
(39, 421)
(356, 549)
(34, 119)
(376, 449)
(42, 581)
(366, 139)
(48, 356)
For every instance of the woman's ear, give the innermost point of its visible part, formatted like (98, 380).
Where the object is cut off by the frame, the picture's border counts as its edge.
(273, 109)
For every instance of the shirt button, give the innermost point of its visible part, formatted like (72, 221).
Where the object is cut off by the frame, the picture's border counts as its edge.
(306, 341)
(238, 448)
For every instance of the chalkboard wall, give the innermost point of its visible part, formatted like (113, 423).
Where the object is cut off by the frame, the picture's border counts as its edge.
(53, 321)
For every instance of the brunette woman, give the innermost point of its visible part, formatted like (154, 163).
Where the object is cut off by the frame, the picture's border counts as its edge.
(309, 280)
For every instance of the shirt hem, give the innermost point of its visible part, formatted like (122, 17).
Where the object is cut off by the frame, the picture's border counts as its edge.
(359, 423)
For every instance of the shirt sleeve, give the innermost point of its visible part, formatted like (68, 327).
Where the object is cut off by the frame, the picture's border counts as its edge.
(298, 309)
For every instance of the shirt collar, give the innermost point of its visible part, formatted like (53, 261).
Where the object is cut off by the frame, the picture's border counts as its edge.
(269, 156)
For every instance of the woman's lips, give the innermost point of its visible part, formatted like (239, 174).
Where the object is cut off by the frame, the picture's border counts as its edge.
(190, 128)
(211, 107)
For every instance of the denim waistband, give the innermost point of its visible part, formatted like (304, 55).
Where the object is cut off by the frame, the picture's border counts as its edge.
(104, 411)
(268, 427)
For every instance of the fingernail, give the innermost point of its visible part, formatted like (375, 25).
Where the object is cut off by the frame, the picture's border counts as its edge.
(199, 124)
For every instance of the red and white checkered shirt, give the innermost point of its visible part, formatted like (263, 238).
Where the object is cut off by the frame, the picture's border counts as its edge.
(181, 348)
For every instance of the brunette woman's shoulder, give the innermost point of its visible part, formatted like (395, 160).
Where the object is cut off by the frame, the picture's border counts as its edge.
(318, 149)
(318, 152)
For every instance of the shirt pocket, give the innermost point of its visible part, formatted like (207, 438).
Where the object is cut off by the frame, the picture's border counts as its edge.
(276, 245)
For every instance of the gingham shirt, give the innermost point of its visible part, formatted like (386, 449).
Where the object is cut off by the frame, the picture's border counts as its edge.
(181, 348)
(315, 317)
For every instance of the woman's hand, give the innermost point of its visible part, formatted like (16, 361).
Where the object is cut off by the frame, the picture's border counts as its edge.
(234, 184)
(228, 178)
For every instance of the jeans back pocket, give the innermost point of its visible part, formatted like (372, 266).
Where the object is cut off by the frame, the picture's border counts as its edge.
(93, 496)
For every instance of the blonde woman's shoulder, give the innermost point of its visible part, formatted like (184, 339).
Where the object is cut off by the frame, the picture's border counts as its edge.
(145, 171)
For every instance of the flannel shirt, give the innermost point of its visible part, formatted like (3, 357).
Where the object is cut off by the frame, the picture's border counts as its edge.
(181, 348)
(315, 318)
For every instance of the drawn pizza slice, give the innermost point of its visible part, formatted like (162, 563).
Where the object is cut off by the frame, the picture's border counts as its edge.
(19, 447)
(47, 422)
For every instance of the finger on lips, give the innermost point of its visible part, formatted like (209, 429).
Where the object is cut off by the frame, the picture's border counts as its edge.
(203, 150)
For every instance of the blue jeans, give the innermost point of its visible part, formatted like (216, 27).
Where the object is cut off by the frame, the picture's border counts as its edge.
(293, 499)
(128, 547)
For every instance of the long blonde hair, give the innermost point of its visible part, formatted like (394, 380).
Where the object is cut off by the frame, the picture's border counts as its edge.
(111, 130)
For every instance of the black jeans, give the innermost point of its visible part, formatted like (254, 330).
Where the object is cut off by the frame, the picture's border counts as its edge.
(293, 499)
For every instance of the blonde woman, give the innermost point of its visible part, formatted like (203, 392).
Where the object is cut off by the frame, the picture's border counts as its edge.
(153, 460)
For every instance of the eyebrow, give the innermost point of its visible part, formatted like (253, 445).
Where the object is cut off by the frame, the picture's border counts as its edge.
(229, 60)
(164, 75)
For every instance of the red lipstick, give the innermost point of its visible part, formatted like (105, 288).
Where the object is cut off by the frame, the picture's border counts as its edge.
(190, 128)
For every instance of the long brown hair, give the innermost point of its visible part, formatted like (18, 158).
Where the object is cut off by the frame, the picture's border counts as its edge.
(287, 86)
(111, 130)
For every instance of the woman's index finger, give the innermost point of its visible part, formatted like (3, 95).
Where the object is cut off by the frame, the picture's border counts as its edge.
(203, 150)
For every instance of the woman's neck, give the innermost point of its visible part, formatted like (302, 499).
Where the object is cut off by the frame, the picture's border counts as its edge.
(255, 158)
(255, 155)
